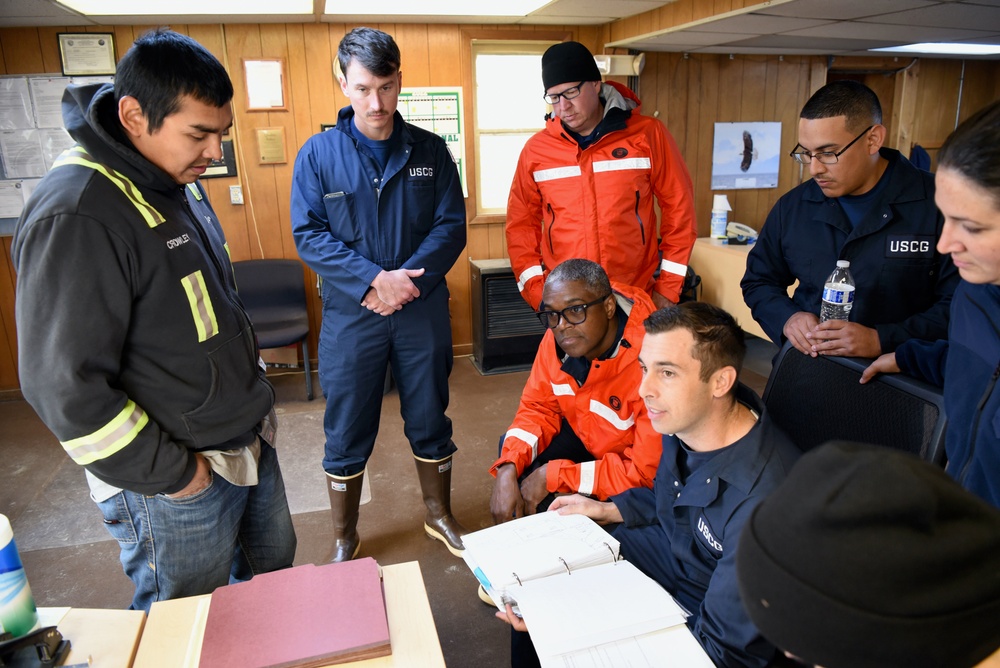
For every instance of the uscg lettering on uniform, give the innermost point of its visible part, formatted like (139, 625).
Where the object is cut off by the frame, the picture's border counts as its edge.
(908, 245)
(420, 172)
(706, 532)
(178, 241)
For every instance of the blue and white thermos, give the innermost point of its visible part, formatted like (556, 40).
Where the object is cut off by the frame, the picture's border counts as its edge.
(18, 614)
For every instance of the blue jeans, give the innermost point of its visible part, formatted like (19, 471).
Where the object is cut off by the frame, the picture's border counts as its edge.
(183, 547)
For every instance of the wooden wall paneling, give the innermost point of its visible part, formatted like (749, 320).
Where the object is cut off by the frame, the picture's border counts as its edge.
(904, 105)
(752, 96)
(124, 36)
(938, 103)
(22, 50)
(8, 352)
(278, 226)
(445, 44)
(3, 60)
(673, 105)
(444, 69)
(477, 246)
(244, 41)
(593, 37)
(708, 69)
(787, 104)
(415, 54)
(766, 197)
(722, 6)
(312, 86)
(325, 98)
(684, 11)
(982, 86)
(48, 42)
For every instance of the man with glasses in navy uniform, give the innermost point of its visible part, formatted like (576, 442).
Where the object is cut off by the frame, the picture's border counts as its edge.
(581, 425)
(866, 204)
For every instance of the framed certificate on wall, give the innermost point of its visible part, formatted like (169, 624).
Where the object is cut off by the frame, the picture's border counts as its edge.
(87, 53)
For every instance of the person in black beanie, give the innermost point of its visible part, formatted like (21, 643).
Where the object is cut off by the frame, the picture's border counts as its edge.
(866, 557)
(586, 186)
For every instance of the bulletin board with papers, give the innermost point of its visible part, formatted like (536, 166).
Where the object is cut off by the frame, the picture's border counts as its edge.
(32, 136)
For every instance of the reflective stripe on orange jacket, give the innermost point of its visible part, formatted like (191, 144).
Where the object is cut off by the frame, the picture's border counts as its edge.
(606, 413)
(598, 203)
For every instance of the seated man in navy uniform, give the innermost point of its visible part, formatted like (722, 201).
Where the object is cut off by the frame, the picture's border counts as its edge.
(867, 204)
(721, 456)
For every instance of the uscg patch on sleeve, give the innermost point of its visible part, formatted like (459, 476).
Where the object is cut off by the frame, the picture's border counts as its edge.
(909, 245)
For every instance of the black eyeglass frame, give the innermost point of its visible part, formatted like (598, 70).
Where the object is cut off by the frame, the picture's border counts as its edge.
(553, 98)
(836, 156)
(545, 317)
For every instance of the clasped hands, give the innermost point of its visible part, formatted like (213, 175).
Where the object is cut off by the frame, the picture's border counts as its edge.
(391, 290)
(511, 499)
(833, 337)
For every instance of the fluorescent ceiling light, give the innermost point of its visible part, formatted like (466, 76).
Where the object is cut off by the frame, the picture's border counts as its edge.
(436, 7)
(945, 48)
(169, 7)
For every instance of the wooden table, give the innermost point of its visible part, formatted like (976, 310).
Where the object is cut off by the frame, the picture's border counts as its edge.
(108, 637)
(174, 629)
(721, 268)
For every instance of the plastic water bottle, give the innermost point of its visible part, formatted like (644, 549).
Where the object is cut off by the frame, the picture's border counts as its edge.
(838, 294)
(720, 216)
(18, 614)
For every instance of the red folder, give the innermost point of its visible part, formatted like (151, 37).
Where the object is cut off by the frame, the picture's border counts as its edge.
(304, 616)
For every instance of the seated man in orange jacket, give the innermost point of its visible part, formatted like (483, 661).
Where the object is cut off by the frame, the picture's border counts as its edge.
(581, 426)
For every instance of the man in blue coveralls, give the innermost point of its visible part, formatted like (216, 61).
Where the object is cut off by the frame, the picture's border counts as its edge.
(721, 456)
(378, 214)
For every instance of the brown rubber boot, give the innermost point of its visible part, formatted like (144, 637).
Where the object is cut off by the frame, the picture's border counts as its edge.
(345, 495)
(439, 523)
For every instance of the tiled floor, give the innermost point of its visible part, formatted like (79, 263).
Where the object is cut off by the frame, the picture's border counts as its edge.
(70, 559)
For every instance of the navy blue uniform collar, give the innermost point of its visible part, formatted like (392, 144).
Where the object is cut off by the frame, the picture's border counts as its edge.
(739, 464)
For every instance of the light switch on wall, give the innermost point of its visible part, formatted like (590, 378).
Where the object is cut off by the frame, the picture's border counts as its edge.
(236, 194)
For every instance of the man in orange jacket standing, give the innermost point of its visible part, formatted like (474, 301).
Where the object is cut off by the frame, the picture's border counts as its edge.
(585, 186)
(581, 425)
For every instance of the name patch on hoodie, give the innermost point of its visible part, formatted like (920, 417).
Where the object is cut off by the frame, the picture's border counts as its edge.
(178, 241)
(909, 245)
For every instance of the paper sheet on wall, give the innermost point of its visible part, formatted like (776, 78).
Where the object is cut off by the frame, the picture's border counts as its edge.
(15, 104)
(438, 110)
(46, 95)
(22, 154)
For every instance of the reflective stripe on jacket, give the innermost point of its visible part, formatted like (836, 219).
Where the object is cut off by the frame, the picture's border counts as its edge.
(598, 203)
(606, 413)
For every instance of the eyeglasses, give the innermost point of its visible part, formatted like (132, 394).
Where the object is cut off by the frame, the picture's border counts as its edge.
(574, 315)
(825, 157)
(568, 94)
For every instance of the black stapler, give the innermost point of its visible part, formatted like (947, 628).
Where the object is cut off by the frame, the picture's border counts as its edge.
(42, 648)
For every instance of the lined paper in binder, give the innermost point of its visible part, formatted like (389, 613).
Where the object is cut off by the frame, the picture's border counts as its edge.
(581, 602)
(533, 547)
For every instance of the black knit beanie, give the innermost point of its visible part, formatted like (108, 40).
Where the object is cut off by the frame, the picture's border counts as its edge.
(866, 558)
(568, 62)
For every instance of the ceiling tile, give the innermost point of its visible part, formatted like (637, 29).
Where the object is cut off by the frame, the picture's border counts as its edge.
(944, 15)
(756, 24)
(598, 8)
(842, 9)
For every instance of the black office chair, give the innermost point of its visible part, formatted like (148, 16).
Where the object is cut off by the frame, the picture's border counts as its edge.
(817, 399)
(274, 295)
